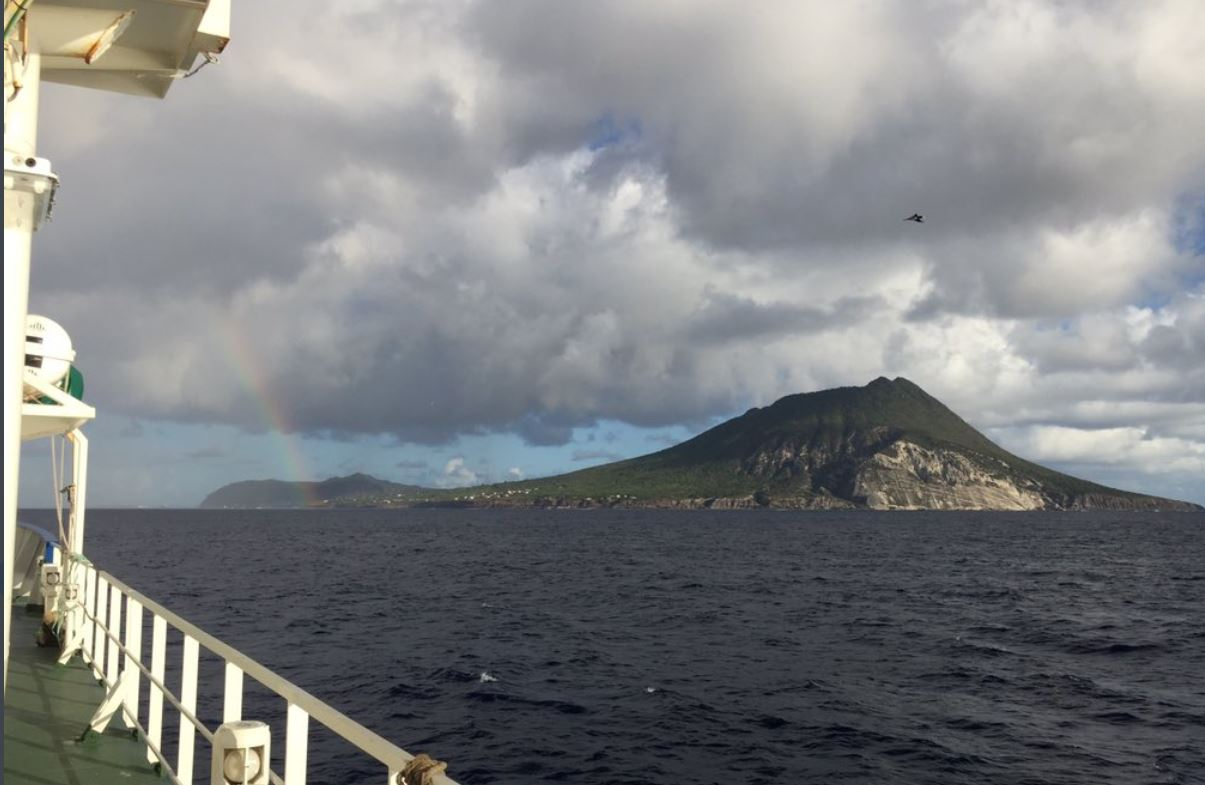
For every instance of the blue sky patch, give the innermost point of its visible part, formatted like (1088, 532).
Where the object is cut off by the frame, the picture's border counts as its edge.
(607, 131)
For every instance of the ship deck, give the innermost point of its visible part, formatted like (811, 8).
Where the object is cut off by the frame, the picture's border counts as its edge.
(47, 707)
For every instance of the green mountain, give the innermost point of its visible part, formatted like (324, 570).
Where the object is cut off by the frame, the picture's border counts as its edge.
(888, 445)
(353, 489)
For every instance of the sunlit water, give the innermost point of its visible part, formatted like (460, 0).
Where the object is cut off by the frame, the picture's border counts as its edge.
(700, 647)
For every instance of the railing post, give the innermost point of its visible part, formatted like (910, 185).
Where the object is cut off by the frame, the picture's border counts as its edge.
(101, 615)
(79, 477)
(89, 602)
(134, 646)
(70, 606)
(154, 729)
(297, 738)
(232, 705)
(114, 625)
(188, 698)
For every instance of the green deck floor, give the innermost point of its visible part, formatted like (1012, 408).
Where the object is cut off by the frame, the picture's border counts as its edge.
(46, 708)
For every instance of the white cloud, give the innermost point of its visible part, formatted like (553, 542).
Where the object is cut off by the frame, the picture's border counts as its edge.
(1133, 447)
(1094, 264)
(457, 475)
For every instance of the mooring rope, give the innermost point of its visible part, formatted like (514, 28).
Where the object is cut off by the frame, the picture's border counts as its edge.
(421, 770)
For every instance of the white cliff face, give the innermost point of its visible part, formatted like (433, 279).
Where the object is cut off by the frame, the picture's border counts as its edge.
(883, 468)
(906, 476)
(798, 458)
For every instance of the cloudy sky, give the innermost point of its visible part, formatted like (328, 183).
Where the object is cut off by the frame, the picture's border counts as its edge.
(449, 242)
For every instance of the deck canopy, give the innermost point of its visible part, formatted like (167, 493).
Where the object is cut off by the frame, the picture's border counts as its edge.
(138, 47)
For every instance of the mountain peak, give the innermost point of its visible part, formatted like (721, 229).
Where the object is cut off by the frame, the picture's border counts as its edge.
(888, 444)
(899, 385)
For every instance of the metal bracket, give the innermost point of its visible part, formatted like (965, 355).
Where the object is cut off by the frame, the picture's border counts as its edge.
(118, 700)
(33, 176)
(73, 646)
(73, 628)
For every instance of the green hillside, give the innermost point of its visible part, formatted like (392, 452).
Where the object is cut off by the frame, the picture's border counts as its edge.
(352, 489)
(843, 422)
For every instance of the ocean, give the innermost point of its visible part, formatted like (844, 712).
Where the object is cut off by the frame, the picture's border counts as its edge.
(625, 647)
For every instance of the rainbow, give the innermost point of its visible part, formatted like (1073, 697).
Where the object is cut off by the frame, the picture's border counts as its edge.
(248, 369)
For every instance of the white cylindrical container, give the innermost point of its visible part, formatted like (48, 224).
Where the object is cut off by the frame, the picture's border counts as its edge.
(48, 351)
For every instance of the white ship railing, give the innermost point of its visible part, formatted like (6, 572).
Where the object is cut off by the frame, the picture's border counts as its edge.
(114, 652)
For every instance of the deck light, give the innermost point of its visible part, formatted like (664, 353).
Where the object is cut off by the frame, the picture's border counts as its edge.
(241, 764)
(240, 754)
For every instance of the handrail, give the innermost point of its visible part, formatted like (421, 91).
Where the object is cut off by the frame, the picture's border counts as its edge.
(167, 693)
(367, 741)
(74, 605)
(383, 751)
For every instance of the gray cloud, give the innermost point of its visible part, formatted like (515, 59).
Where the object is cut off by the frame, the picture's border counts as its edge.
(211, 452)
(1163, 349)
(537, 430)
(1000, 125)
(725, 318)
(595, 455)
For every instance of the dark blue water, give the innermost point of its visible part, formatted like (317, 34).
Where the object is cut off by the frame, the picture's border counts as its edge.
(711, 647)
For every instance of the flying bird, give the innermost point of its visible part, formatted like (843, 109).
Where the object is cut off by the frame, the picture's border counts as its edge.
(920, 219)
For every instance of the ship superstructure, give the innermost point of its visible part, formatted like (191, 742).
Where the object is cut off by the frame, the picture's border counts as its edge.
(84, 653)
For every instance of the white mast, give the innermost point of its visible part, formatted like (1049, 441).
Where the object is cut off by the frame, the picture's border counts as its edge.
(130, 46)
(20, 221)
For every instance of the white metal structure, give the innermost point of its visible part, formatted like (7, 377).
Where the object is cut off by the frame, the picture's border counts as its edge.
(129, 46)
(114, 620)
(138, 47)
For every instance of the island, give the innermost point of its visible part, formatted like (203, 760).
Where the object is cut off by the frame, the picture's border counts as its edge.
(886, 446)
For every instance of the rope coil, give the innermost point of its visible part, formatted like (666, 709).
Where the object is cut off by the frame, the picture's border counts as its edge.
(421, 770)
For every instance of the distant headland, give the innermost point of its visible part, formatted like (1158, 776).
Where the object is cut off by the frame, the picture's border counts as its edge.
(888, 445)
